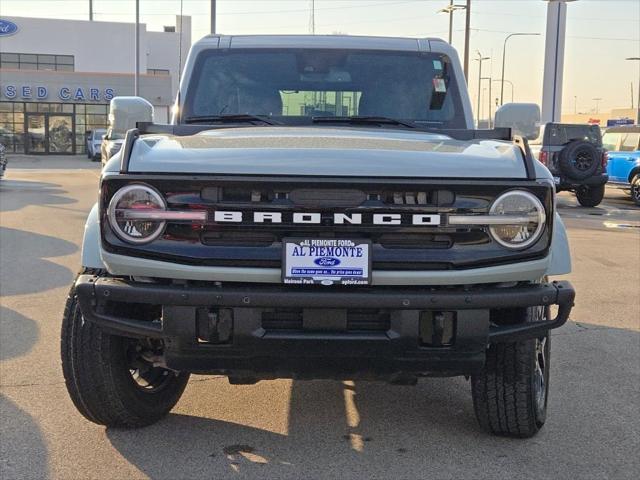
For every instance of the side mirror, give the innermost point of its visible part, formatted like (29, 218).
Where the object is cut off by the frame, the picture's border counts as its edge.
(522, 118)
(125, 112)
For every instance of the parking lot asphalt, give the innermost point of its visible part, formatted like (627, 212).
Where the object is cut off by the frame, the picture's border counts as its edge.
(312, 429)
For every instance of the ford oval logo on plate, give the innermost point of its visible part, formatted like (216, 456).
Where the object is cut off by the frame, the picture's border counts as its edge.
(326, 261)
(7, 28)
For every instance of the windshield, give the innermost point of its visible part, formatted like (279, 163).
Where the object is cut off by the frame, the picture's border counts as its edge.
(297, 83)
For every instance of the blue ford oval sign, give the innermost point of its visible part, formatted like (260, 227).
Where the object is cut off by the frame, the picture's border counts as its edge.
(326, 261)
(7, 28)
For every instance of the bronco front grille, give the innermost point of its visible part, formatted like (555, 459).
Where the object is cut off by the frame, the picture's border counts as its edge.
(402, 246)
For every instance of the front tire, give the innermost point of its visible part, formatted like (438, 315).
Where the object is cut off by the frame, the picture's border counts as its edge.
(590, 196)
(510, 394)
(108, 381)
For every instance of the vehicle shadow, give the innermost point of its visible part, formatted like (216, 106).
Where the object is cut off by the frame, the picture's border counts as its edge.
(375, 430)
(17, 194)
(25, 265)
(328, 433)
(23, 451)
(18, 334)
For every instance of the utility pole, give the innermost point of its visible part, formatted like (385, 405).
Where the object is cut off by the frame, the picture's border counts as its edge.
(312, 18)
(136, 81)
(480, 59)
(450, 21)
(504, 50)
(575, 104)
(91, 10)
(450, 9)
(213, 17)
(467, 28)
(631, 95)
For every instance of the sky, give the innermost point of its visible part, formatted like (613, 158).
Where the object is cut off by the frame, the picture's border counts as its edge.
(600, 35)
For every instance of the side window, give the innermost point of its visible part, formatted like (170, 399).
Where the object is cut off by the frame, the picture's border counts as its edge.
(610, 141)
(630, 142)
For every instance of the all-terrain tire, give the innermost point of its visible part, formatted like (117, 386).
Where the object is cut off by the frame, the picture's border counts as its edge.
(98, 377)
(635, 190)
(590, 196)
(579, 159)
(505, 392)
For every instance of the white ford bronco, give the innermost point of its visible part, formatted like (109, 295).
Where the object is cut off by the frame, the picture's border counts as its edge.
(319, 207)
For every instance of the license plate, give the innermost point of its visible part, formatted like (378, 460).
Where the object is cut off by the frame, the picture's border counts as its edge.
(326, 261)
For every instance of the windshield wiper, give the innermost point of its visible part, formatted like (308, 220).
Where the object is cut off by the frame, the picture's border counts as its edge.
(231, 118)
(356, 119)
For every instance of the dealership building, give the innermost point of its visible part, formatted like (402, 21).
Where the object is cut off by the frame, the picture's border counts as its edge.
(58, 76)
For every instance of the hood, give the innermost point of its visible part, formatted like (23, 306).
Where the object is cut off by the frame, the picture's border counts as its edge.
(319, 151)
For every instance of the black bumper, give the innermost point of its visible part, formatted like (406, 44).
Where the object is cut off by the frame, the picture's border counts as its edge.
(571, 183)
(322, 345)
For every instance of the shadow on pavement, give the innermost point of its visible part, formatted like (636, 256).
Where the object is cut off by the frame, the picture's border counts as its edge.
(18, 334)
(374, 430)
(17, 194)
(25, 268)
(23, 452)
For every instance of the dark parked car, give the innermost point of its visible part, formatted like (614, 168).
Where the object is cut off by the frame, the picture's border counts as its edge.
(3, 160)
(575, 156)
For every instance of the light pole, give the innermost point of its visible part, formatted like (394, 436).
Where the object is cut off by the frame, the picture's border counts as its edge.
(504, 50)
(510, 84)
(480, 59)
(597, 100)
(213, 17)
(637, 59)
(136, 82)
(467, 33)
(450, 9)
(490, 82)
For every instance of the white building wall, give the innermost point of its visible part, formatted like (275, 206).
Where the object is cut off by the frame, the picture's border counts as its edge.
(97, 46)
(163, 49)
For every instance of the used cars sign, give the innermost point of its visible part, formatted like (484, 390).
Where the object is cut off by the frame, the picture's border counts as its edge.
(7, 28)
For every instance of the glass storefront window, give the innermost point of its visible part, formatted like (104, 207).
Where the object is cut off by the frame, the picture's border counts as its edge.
(101, 109)
(65, 124)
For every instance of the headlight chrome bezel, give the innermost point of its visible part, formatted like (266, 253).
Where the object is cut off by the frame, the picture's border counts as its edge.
(541, 218)
(113, 221)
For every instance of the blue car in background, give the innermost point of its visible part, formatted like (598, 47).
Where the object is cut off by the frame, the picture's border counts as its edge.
(623, 144)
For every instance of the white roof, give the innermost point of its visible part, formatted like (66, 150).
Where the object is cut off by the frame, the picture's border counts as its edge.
(319, 41)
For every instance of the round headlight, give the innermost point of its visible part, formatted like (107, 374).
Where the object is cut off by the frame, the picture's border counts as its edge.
(520, 219)
(122, 210)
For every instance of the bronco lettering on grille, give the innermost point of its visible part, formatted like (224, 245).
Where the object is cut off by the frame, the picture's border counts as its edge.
(338, 218)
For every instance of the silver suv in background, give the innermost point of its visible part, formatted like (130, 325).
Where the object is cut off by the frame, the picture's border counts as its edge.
(111, 144)
(94, 142)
